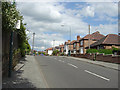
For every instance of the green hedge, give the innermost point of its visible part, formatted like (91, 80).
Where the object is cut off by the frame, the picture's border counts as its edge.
(105, 51)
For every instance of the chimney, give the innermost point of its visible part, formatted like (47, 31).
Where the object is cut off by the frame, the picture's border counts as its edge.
(68, 41)
(78, 37)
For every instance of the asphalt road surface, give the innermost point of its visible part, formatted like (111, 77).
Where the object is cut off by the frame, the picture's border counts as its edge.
(62, 72)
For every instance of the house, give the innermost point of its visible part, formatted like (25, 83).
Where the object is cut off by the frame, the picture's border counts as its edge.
(84, 42)
(107, 42)
(49, 51)
(76, 46)
(57, 48)
(66, 48)
(61, 48)
(70, 45)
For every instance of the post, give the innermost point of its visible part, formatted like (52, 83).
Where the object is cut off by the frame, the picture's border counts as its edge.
(89, 37)
(10, 55)
(70, 40)
(33, 43)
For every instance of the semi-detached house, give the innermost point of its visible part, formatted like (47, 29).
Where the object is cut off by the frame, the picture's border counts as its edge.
(84, 42)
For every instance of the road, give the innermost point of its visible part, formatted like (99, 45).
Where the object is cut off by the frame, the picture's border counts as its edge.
(62, 72)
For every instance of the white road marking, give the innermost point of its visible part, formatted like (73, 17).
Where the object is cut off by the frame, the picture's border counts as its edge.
(97, 75)
(60, 60)
(54, 58)
(72, 65)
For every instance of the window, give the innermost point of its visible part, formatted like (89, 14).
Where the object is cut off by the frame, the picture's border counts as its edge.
(74, 45)
(81, 50)
(81, 43)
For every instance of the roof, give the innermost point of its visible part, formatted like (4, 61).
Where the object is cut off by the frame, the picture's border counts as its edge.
(57, 47)
(61, 45)
(111, 39)
(49, 49)
(66, 42)
(94, 36)
(73, 41)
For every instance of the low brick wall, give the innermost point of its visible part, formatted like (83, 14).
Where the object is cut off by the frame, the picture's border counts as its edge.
(99, 57)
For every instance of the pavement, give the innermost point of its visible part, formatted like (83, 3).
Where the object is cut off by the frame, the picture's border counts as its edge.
(27, 74)
(100, 63)
(61, 72)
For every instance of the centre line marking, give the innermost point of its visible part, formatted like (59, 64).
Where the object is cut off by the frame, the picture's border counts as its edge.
(72, 65)
(97, 75)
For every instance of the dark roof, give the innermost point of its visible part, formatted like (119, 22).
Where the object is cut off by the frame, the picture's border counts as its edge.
(94, 36)
(61, 45)
(73, 41)
(110, 39)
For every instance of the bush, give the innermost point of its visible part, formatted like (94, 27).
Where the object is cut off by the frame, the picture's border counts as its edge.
(55, 52)
(91, 51)
(105, 51)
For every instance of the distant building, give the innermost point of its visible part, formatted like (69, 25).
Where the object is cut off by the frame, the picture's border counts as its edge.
(61, 48)
(66, 47)
(49, 51)
(76, 45)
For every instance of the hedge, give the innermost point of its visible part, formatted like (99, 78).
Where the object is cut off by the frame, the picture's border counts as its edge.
(105, 51)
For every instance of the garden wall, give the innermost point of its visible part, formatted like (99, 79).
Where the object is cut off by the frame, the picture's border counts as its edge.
(99, 57)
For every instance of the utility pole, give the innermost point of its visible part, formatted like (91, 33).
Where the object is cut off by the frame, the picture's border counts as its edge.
(53, 44)
(33, 42)
(70, 40)
(89, 37)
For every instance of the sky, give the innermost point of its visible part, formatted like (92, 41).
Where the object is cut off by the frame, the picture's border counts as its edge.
(54, 20)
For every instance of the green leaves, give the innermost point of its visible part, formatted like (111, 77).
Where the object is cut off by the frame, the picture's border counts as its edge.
(10, 15)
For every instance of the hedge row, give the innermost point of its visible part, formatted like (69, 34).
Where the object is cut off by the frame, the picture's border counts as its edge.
(105, 51)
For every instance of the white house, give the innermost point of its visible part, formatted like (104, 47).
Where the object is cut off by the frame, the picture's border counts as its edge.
(66, 47)
(49, 51)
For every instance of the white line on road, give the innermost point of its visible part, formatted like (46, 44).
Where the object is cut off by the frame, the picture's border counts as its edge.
(54, 58)
(72, 65)
(97, 75)
(60, 60)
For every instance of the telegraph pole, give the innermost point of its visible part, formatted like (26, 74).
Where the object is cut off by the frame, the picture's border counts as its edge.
(89, 37)
(33, 42)
(70, 40)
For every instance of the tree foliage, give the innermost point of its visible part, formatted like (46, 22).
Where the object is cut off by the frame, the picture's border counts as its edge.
(10, 16)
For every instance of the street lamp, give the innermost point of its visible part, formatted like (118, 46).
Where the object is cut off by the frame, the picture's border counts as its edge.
(33, 42)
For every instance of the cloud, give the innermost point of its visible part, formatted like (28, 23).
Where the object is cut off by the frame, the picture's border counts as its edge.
(46, 18)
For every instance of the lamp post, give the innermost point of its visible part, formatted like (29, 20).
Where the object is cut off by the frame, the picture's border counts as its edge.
(11, 49)
(33, 43)
(89, 37)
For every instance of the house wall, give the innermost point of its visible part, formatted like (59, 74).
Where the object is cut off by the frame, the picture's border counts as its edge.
(50, 52)
(65, 49)
(85, 44)
(110, 47)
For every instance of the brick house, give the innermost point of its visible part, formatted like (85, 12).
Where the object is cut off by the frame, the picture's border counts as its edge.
(61, 48)
(84, 42)
(70, 45)
(76, 45)
(107, 42)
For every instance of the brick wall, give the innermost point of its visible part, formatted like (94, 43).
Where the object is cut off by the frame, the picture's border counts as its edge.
(100, 57)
